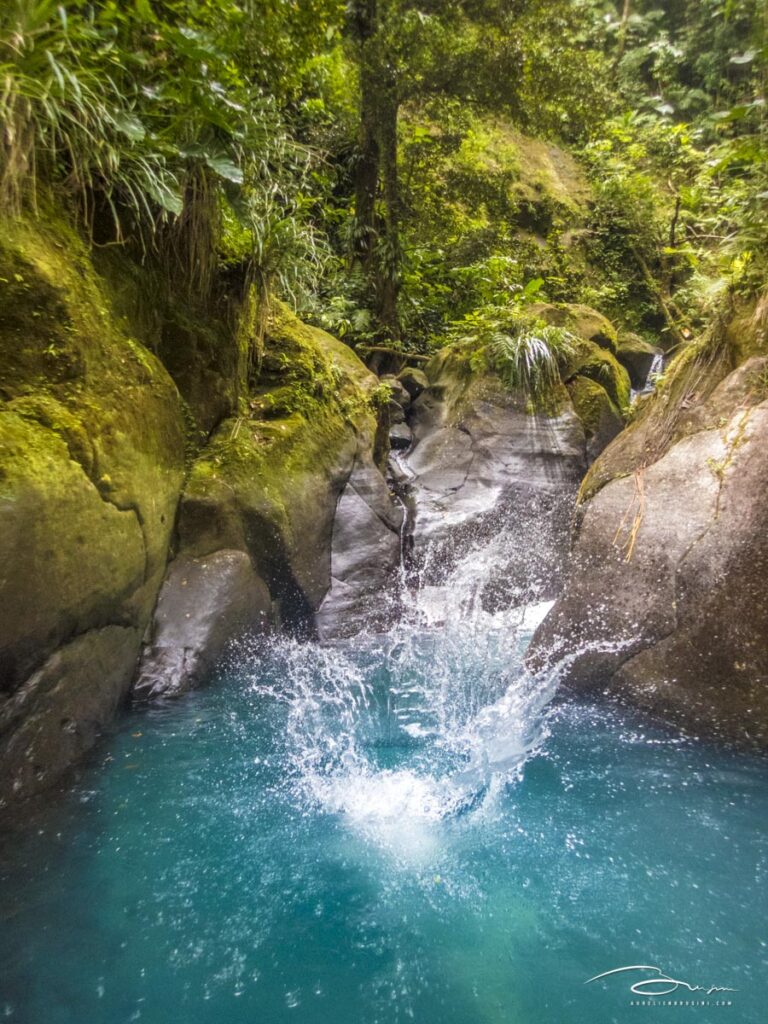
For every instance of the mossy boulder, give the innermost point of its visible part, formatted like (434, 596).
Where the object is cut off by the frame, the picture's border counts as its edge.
(582, 321)
(603, 368)
(600, 417)
(593, 355)
(269, 480)
(91, 464)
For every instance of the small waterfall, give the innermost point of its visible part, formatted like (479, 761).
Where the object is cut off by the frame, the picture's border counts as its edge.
(654, 372)
(657, 367)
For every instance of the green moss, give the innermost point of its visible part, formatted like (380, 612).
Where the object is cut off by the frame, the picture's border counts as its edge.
(747, 332)
(304, 370)
(590, 402)
(266, 479)
(49, 412)
(582, 321)
(604, 369)
(91, 446)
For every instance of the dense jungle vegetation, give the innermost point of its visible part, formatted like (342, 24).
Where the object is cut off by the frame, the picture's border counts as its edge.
(366, 160)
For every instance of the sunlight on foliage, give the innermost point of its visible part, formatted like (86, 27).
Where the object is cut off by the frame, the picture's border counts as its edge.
(526, 353)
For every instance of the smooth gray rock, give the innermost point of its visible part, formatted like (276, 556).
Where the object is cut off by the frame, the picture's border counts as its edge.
(365, 557)
(413, 380)
(204, 603)
(482, 463)
(57, 714)
(396, 413)
(666, 603)
(401, 436)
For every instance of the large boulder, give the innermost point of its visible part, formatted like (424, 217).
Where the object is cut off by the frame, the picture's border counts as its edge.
(582, 321)
(365, 557)
(594, 351)
(204, 604)
(413, 380)
(288, 486)
(599, 416)
(602, 367)
(665, 603)
(483, 461)
(91, 463)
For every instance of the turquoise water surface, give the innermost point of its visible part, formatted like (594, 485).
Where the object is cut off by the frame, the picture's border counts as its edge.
(390, 831)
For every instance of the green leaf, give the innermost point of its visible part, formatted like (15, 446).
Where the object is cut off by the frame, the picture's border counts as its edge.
(225, 168)
(144, 10)
(533, 287)
(129, 125)
(165, 197)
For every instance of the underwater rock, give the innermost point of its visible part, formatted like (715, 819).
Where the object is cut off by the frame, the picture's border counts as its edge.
(58, 713)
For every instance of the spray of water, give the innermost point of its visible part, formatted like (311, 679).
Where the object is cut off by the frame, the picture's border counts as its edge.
(431, 719)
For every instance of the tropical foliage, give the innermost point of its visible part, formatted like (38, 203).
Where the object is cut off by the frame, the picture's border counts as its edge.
(367, 160)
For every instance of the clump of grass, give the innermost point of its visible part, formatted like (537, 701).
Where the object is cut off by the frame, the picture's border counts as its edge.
(145, 115)
(525, 352)
(530, 358)
(68, 114)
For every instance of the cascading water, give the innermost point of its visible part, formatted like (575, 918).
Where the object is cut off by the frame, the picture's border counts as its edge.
(392, 828)
(654, 372)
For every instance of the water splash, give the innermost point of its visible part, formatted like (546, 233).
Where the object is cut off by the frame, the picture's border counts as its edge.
(426, 721)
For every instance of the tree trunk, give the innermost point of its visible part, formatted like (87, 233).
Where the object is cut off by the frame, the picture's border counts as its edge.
(388, 270)
(376, 243)
(622, 38)
(366, 170)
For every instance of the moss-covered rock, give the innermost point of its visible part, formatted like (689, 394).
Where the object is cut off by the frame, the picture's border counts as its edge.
(600, 418)
(489, 173)
(582, 321)
(604, 369)
(269, 480)
(91, 462)
(679, 406)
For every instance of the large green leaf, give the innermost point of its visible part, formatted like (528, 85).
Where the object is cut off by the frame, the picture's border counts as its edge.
(225, 168)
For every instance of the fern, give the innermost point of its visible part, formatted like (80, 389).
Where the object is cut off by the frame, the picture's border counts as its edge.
(526, 353)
